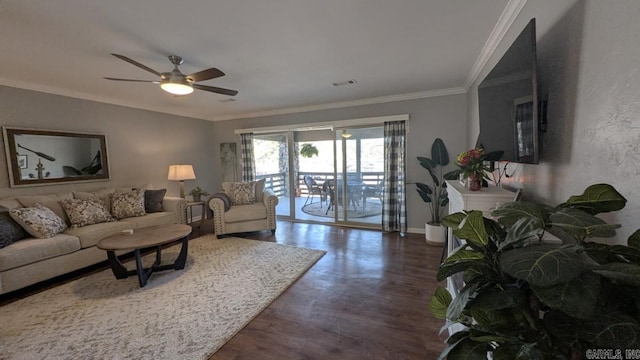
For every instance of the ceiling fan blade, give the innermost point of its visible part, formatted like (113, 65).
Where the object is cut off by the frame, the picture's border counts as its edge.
(216, 89)
(207, 74)
(133, 62)
(118, 79)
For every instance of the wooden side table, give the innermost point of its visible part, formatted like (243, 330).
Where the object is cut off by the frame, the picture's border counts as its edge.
(189, 209)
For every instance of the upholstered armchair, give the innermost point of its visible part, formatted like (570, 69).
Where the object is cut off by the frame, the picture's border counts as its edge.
(243, 207)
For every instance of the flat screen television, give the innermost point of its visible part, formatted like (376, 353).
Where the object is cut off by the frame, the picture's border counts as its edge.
(508, 103)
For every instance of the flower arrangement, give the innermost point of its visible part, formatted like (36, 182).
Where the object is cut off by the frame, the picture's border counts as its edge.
(471, 163)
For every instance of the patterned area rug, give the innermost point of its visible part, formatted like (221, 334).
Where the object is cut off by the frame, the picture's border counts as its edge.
(187, 314)
(373, 208)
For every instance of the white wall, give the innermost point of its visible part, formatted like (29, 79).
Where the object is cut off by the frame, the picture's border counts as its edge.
(588, 59)
(443, 117)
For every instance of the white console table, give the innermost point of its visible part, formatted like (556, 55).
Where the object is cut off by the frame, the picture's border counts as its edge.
(461, 198)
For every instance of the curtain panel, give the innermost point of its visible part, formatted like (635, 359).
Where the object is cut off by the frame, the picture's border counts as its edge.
(394, 211)
(248, 158)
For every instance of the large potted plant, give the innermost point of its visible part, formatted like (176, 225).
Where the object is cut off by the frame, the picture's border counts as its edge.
(434, 193)
(527, 298)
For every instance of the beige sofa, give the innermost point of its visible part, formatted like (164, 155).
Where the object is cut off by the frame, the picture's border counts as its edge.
(31, 260)
(231, 219)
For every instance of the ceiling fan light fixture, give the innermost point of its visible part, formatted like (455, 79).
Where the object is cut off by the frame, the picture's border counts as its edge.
(177, 87)
(345, 134)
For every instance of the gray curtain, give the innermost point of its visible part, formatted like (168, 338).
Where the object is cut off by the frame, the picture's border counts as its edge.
(248, 160)
(394, 210)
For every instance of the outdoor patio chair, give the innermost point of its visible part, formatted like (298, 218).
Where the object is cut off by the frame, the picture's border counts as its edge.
(313, 188)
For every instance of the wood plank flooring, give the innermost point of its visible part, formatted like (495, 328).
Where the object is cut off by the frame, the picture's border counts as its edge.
(365, 299)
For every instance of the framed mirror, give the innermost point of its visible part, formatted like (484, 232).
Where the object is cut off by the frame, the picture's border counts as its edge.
(41, 157)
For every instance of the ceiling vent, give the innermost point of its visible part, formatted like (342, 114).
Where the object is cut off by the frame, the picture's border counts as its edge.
(348, 82)
(227, 100)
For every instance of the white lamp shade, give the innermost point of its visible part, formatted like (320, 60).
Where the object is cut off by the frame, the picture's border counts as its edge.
(181, 172)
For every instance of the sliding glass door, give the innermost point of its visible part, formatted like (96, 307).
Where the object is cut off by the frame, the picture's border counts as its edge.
(271, 152)
(321, 176)
(359, 174)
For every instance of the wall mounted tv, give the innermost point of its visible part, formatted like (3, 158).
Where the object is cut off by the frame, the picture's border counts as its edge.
(508, 103)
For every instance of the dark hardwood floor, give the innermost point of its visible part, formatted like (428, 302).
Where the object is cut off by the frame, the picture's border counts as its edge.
(366, 298)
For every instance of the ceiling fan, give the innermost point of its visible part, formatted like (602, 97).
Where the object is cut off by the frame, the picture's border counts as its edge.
(177, 83)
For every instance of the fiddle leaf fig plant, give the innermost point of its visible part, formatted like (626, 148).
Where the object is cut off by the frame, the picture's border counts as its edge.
(434, 193)
(528, 298)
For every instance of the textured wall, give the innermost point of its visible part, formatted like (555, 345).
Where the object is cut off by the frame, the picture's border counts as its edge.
(588, 65)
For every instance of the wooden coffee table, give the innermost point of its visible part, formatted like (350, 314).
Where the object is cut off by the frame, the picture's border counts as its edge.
(145, 239)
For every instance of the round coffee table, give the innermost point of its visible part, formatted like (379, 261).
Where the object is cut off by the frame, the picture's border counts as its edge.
(145, 239)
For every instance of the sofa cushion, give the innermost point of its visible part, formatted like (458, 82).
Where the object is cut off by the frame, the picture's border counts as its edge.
(242, 193)
(32, 250)
(239, 213)
(127, 204)
(90, 235)
(153, 200)
(52, 201)
(10, 230)
(86, 212)
(39, 221)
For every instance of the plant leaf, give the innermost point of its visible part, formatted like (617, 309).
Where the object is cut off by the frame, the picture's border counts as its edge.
(619, 272)
(509, 213)
(426, 162)
(634, 240)
(542, 265)
(522, 231)
(453, 220)
(459, 303)
(469, 350)
(439, 302)
(612, 330)
(496, 299)
(580, 224)
(472, 229)
(577, 298)
(439, 152)
(597, 198)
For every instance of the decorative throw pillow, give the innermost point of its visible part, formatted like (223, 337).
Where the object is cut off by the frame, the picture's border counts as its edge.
(102, 194)
(52, 201)
(153, 200)
(242, 193)
(127, 204)
(86, 212)
(39, 221)
(10, 231)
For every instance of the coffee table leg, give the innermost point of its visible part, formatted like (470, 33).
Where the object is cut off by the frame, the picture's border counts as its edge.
(142, 273)
(182, 257)
(119, 271)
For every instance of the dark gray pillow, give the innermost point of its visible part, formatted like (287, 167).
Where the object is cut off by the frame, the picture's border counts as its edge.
(10, 231)
(153, 200)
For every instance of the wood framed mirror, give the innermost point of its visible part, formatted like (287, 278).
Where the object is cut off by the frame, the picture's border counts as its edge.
(41, 157)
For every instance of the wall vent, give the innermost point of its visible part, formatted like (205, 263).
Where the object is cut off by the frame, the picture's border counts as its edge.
(348, 82)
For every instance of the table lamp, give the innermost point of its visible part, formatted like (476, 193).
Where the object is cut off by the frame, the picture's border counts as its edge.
(181, 173)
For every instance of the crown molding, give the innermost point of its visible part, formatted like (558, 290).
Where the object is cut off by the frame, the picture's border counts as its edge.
(508, 16)
(343, 104)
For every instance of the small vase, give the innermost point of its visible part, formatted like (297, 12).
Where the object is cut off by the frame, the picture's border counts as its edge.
(197, 198)
(475, 182)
